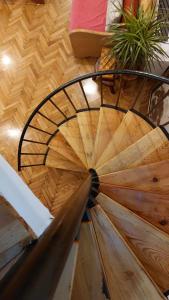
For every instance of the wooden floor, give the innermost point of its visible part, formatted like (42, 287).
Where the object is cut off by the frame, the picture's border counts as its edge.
(35, 58)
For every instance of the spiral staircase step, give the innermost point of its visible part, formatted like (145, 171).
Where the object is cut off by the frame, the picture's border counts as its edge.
(125, 275)
(71, 132)
(109, 121)
(58, 161)
(65, 284)
(60, 145)
(150, 178)
(150, 206)
(151, 148)
(89, 282)
(88, 121)
(150, 245)
(131, 129)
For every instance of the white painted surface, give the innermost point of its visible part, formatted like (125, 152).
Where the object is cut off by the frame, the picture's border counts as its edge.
(19, 195)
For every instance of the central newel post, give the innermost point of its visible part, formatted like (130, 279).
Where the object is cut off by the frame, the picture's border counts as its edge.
(36, 274)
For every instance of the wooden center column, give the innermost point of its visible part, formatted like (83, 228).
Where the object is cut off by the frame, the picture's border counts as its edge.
(36, 274)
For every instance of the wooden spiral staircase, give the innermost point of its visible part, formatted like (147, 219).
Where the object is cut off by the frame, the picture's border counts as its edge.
(111, 238)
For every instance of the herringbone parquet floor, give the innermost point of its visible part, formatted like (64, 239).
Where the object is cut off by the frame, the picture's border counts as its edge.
(35, 38)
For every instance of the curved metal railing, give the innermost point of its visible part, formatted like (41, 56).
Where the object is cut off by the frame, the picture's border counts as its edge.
(156, 90)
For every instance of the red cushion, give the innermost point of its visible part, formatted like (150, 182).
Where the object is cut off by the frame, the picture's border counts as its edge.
(128, 4)
(88, 14)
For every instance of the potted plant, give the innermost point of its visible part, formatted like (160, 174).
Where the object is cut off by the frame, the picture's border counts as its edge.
(135, 43)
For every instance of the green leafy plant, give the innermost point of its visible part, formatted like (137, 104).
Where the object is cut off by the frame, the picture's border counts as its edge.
(135, 43)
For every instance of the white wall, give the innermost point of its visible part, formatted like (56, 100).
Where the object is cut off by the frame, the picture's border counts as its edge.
(18, 194)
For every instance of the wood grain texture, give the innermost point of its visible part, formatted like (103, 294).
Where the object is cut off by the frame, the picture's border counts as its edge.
(58, 161)
(121, 266)
(150, 178)
(88, 121)
(152, 147)
(150, 245)
(131, 129)
(88, 280)
(109, 120)
(59, 144)
(81, 37)
(150, 206)
(13, 234)
(54, 186)
(64, 287)
(71, 133)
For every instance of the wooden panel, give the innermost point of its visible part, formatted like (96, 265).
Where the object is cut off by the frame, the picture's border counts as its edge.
(71, 133)
(13, 235)
(151, 245)
(109, 120)
(89, 278)
(152, 178)
(64, 287)
(9, 265)
(151, 148)
(81, 37)
(59, 144)
(58, 161)
(152, 207)
(131, 129)
(88, 121)
(125, 275)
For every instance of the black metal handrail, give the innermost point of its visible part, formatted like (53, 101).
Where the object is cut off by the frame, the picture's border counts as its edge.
(63, 88)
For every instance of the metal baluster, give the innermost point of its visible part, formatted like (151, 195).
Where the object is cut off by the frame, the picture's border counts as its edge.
(140, 89)
(70, 100)
(84, 94)
(41, 114)
(27, 153)
(119, 94)
(101, 90)
(34, 165)
(36, 142)
(53, 103)
(159, 102)
(165, 124)
(41, 130)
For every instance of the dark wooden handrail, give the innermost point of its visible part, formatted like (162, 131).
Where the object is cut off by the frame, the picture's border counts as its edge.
(36, 275)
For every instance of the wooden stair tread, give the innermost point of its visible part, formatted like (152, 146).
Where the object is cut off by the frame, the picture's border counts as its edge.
(131, 129)
(150, 206)
(60, 145)
(151, 148)
(151, 178)
(126, 277)
(109, 121)
(150, 245)
(88, 121)
(72, 135)
(88, 280)
(58, 161)
(65, 284)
